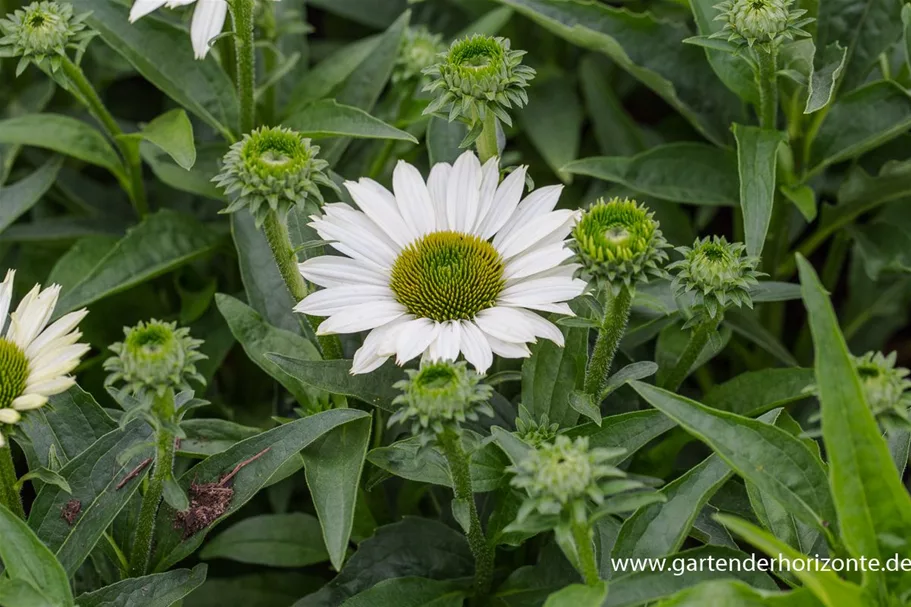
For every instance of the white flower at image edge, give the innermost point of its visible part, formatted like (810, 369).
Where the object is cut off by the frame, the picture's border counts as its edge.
(460, 264)
(208, 19)
(35, 359)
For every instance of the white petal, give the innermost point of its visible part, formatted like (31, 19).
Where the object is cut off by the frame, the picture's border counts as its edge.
(380, 206)
(506, 324)
(338, 299)
(413, 199)
(437, 185)
(208, 21)
(543, 327)
(54, 363)
(507, 349)
(355, 235)
(49, 387)
(375, 352)
(505, 202)
(336, 271)
(141, 8)
(446, 345)
(361, 317)
(535, 231)
(6, 296)
(550, 289)
(414, 337)
(475, 347)
(27, 402)
(536, 260)
(555, 308)
(541, 201)
(60, 327)
(32, 314)
(9, 416)
(462, 195)
(490, 178)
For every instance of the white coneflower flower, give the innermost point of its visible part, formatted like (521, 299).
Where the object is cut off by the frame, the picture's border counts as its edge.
(35, 359)
(453, 265)
(208, 19)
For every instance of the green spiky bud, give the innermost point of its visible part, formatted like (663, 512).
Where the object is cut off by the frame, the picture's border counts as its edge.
(535, 433)
(153, 357)
(477, 75)
(41, 33)
(760, 21)
(418, 51)
(440, 396)
(717, 272)
(619, 243)
(886, 388)
(272, 168)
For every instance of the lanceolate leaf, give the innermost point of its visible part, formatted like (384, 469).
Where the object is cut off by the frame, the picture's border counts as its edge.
(158, 590)
(274, 540)
(757, 152)
(551, 373)
(328, 118)
(19, 197)
(630, 431)
(872, 503)
(335, 376)
(764, 454)
(26, 558)
(825, 77)
(755, 392)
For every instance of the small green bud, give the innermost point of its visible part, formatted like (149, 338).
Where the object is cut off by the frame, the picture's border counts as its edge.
(535, 433)
(439, 396)
(886, 388)
(477, 75)
(154, 357)
(717, 272)
(419, 51)
(619, 243)
(41, 33)
(272, 168)
(760, 21)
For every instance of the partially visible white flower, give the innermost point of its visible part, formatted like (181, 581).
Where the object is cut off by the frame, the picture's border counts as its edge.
(208, 19)
(456, 265)
(35, 359)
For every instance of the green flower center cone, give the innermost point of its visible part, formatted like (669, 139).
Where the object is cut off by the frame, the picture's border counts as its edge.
(13, 372)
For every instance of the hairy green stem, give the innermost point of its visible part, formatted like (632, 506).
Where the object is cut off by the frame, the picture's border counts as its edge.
(276, 231)
(9, 494)
(163, 409)
(487, 142)
(244, 49)
(582, 534)
(88, 95)
(612, 328)
(767, 83)
(457, 459)
(698, 340)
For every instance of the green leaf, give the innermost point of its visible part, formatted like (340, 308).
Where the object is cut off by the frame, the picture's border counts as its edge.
(578, 595)
(197, 180)
(411, 592)
(173, 133)
(660, 528)
(860, 121)
(691, 173)
(757, 153)
(672, 343)
(756, 392)
(551, 373)
(825, 585)
(364, 11)
(162, 242)
(906, 32)
(335, 376)
(650, 50)
(273, 540)
(18, 198)
(727, 593)
(80, 259)
(443, 139)
(824, 78)
(333, 465)
(617, 133)
(732, 70)
(320, 81)
(173, 495)
(93, 476)
(158, 590)
(260, 589)
(45, 476)
(866, 27)
(258, 337)
(26, 558)
(768, 456)
(64, 135)
(272, 450)
(553, 122)
(873, 506)
(584, 405)
(803, 197)
(161, 52)
(883, 247)
(19, 593)
(328, 118)
(205, 437)
(748, 324)
(630, 431)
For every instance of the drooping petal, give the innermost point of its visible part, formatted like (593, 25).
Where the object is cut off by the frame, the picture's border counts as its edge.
(141, 8)
(413, 199)
(463, 193)
(376, 348)
(414, 337)
(446, 345)
(208, 21)
(506, 324)
(507, 349)
(475, 347)
(542, 327)
(335, 271)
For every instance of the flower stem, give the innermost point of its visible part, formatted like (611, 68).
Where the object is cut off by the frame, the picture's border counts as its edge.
(487, 144)
(276, 232)
(242, 14)
(698, 339)
(457, 459)
(128, 149)
(612, 328)
(9, 495)
(582, 534)
(767, 82)
(163, 408)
